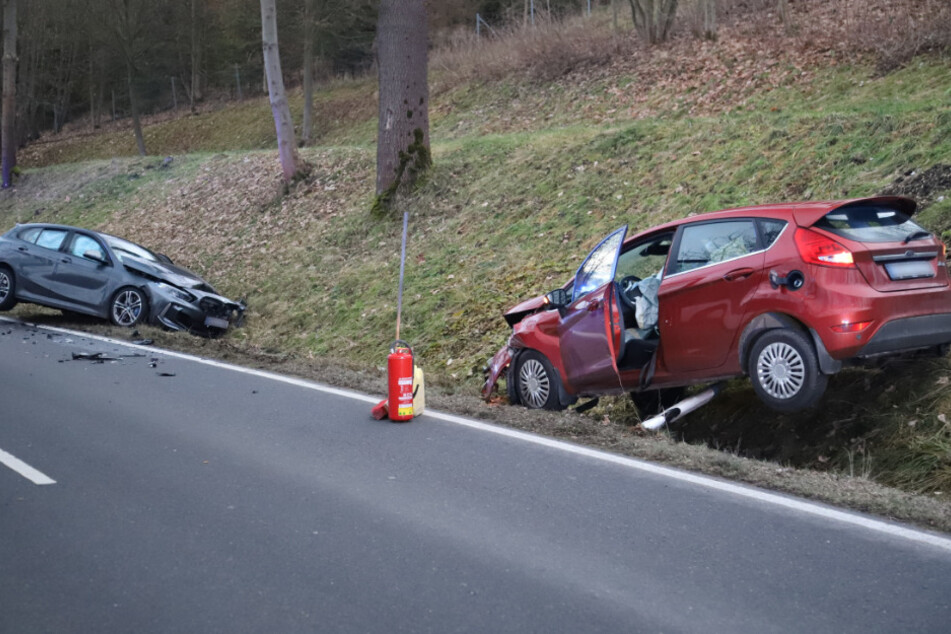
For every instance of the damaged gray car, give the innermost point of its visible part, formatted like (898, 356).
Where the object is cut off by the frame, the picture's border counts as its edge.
(97, 274)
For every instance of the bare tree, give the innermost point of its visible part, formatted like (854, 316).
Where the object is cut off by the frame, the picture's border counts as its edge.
(286, 147)
(403, 132)
(8, 116)
(308, 71)
(653, 18)
(195, 93)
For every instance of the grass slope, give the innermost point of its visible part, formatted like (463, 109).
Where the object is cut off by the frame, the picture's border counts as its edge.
(523, 186)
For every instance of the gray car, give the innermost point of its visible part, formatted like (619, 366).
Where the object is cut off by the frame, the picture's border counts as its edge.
(97, 274)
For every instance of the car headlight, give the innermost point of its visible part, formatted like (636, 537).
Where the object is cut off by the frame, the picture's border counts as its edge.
(177, 293)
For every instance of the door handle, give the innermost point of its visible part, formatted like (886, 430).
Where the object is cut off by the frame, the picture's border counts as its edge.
(66, 261)
(738, 274)
(22, 249)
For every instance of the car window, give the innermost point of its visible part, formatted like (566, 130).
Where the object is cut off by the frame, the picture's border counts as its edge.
(30, 234)
(712, 242)
(870, 223)
(598, 268)
(82, 244)
(644, 259)
(770, 230)
(51, 238)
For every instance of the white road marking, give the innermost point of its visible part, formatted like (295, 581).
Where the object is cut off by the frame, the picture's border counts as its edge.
(760, 495)
(24, 469)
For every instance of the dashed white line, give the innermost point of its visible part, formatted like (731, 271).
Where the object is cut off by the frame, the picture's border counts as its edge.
(795, 504)
(25, 470)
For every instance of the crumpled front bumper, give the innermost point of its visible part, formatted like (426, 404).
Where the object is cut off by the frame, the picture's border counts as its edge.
(495, 368)
(207, 316)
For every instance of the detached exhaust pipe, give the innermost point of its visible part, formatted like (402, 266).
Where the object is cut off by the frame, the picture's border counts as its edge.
(682, 408)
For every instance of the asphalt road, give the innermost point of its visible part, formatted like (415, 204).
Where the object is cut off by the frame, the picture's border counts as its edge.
(220, 501)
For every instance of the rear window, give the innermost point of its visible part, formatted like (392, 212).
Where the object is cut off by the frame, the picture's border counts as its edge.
(870, 224)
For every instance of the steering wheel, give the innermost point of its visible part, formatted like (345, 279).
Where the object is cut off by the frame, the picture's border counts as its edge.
(629, 291)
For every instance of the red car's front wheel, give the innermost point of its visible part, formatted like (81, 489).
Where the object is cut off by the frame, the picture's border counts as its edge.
(536, 382)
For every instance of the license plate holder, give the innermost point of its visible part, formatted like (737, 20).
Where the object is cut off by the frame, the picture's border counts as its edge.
(216, 322)
(909, 269)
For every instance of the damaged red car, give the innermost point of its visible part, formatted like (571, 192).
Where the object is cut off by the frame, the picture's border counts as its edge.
(786, 294)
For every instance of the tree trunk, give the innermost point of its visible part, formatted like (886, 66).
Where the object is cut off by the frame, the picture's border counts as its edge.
(134, 106)
(308, 71)
(8, 146)
(653, 18)
(403, 132)
(287, 151)
(195, 95)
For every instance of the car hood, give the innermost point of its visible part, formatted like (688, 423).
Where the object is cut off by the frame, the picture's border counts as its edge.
(516, 313)
(169, 273)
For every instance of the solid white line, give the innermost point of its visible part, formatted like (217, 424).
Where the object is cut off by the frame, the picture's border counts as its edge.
(24, 469)
(760, 495)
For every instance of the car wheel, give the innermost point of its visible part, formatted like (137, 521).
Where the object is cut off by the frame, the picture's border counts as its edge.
(653, 402)
(7, 289)
(785, 372)
(129, 307)
(537, 384)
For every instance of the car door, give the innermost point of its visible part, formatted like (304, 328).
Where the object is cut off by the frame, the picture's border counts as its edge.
(587, 352)
(714, 270)
(36, 261)
(81, 281)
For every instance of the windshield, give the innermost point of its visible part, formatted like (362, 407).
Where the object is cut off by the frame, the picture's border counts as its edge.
(871, 223)
(124, 247)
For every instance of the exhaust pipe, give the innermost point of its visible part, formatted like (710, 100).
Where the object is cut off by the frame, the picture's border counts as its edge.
(682, 408)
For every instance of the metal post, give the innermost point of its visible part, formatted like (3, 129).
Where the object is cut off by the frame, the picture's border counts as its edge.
(399, 298)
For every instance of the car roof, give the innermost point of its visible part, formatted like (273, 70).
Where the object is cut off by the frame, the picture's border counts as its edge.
(802, 213)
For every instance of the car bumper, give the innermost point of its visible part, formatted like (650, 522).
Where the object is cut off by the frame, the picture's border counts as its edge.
(910, 333)
(208, 315)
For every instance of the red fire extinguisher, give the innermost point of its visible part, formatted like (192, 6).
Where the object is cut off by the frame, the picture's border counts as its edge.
(399, 367)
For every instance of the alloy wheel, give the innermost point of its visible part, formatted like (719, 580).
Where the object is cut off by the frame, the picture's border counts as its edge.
(127, 307)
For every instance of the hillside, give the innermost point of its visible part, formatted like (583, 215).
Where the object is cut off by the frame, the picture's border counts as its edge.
(534, 162)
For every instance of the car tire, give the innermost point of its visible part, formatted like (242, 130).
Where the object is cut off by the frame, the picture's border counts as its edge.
(129, 306)
(785, 371)
(536, 382)
(8, 287)
(651, 402)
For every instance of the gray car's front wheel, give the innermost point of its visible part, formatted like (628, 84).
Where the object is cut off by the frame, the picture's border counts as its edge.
(537, 383)
(785, 372)
(129, 307)
(7, 289)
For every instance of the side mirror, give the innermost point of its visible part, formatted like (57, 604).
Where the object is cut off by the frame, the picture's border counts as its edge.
(558, 298)
(95, 256)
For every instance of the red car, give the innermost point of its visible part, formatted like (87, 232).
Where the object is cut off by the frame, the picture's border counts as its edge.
(785, 293)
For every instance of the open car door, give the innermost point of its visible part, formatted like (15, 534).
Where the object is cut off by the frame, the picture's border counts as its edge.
(587, 351)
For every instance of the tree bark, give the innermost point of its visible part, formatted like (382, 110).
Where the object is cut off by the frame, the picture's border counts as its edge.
(403, 132)
(308, 71)
(286, 148)
(8, 146)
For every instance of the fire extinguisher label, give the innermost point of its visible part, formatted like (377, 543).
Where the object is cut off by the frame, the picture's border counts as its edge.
(405, 411)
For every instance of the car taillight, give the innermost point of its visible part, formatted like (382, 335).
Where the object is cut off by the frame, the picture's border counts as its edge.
(818, 249)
